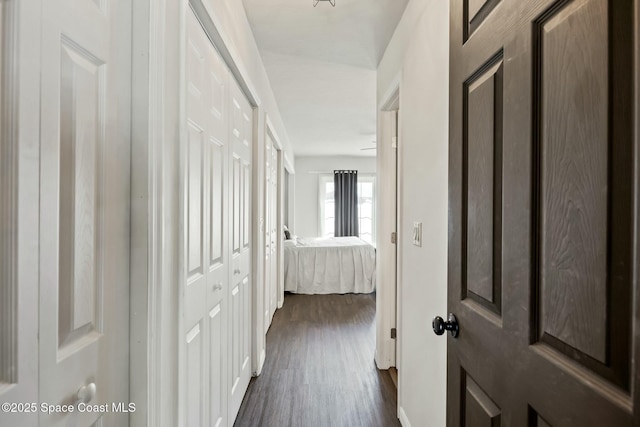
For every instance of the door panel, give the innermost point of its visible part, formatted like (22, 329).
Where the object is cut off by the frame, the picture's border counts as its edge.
(84, 207)
(479, 409)
(573, 210)
(246, 205)
(274, 234)
(267, 234)
(541, 200)
(237, 197)
(241, 143)
(207, 239)
(482, 206)
(271, 230)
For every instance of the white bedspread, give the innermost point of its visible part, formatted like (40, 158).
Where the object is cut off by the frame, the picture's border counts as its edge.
(333, 265)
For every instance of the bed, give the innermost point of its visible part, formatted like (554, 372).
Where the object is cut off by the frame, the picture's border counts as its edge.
(331, 265)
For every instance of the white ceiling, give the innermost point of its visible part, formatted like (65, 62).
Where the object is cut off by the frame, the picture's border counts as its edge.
(322, 66)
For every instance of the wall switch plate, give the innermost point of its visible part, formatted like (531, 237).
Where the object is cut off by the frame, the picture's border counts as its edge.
(417, 234)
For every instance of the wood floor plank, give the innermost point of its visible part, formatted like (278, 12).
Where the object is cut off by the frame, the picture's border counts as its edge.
(320, 370)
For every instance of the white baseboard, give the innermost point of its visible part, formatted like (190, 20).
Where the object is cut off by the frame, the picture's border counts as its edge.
(403, 417)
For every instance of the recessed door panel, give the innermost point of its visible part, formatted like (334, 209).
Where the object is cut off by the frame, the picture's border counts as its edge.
(479, 409)
(482, 157)
(195, 207)
(573, 179)
(475, 13)
(241, 143)
(217, 183)
(81, 143)
(237, 198)
(84, 207)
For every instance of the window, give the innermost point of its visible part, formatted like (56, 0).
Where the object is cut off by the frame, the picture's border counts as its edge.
(366, 207)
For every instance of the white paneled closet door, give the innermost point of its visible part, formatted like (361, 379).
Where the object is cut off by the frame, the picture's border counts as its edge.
(267, 234)
(241, 115)
(84, 209)
(206, 292)
(216, 366)
(274, 232)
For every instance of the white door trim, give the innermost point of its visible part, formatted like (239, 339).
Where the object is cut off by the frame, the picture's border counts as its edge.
(154, 212)
(280, 250)
(20, 153)
(258, 351)
(387, 252)
(270, 129)
(9, 149)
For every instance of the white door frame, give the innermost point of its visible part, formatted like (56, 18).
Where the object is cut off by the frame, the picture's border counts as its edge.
(156, 72)
(277, 143)
(19, 194)
(388, 283)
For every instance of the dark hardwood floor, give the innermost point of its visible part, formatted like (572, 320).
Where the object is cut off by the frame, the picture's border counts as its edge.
(319, 370)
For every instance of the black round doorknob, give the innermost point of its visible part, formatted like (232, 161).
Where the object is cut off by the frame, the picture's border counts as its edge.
(440, 326)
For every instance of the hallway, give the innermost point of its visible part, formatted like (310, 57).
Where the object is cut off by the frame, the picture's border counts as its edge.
(319, 369)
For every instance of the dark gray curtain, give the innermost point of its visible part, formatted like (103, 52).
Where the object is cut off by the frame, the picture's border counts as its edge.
(346, 198)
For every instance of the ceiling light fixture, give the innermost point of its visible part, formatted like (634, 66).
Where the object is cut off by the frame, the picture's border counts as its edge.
(333, 2)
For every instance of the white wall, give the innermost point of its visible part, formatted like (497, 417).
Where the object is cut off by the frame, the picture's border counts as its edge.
(419, 54)
(307, 184)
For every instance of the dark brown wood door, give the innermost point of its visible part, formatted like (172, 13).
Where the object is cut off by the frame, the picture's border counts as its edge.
(543, 223)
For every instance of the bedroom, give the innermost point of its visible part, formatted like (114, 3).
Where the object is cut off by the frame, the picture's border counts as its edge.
(315, 225)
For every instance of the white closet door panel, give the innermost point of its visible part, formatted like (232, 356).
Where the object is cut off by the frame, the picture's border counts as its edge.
(271, 231)
(275, 234)
(218, 284)
(217, 271)
(207, 240)
(195, 169)
(84, 206)
(267, 231)
(241, 127)
(195, 292)
(236, 215)
(217, 188)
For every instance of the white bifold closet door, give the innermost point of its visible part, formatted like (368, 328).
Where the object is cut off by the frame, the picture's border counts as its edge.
(241, 137)
(274, 232)
(215, 368)
(271, 230)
